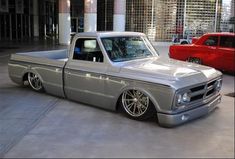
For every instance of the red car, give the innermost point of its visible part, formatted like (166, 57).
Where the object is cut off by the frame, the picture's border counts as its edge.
(214, 49)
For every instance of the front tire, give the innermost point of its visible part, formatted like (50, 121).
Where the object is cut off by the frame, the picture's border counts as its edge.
(35, 82)
(137, 105)
(184, 43)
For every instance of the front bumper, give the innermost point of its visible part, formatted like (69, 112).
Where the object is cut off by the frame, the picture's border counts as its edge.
(171, 120)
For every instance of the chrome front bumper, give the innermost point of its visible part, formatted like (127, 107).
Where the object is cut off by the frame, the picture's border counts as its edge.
(171, 120)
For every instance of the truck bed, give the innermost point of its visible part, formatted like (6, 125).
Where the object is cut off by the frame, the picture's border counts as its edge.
(48, 65)
(54, 57)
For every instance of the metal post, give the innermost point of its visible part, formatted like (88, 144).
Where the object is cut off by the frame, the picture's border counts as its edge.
(10, 27)
(29, 21)
(25, 25)
(5, 27)
(185, 12)
(35, 21)
(105, 12)
(216, 15)
(53, 20)
(152, 18)
(29, 25)
(0, 27)
(16, 27)
(45, 30)
(21, 27)
(45, 21)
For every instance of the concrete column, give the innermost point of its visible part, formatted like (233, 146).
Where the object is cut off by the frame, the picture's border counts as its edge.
(216, 15)
(64, 22)
(90, 16)
(35, 19)
(119, 17)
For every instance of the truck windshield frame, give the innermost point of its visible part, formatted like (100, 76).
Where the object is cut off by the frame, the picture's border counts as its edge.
(127, 48)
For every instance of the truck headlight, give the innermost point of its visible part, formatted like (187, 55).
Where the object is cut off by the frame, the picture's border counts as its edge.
(186, 97)
(183, 98)
(179, 99)
(218, 84)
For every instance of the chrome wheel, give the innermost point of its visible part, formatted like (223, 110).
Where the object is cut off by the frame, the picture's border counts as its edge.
(35, 82)
(135, 103)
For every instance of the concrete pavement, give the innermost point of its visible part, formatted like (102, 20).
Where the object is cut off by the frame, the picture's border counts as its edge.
(36, 125)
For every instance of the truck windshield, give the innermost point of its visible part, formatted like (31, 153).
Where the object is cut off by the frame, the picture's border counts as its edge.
(121, 49)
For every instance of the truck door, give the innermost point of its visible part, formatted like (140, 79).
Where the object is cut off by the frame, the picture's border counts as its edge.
(208, 51)
(84, 73)
(226, 53)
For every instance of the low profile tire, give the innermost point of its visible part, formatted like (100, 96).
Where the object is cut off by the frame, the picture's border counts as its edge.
(137, 105)
(35, 82)
(194, 60)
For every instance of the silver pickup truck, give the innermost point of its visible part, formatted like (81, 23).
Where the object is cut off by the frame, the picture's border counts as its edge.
(121, 71)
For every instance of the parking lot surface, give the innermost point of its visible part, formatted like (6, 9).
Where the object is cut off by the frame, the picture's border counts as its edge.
(38, 125)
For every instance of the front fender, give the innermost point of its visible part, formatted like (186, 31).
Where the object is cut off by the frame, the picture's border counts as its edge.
(147, 90)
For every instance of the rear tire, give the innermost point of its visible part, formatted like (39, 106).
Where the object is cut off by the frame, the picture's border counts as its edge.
(35, 82)
(136, 105)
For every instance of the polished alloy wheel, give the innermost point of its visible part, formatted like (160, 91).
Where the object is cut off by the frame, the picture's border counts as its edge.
(135, 103)
(35, 82)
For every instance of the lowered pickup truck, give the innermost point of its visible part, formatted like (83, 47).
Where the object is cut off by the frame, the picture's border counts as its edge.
(114, 70)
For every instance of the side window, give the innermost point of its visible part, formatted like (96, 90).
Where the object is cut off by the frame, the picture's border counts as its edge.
(88, 50)
(211, 41)
(227, 41)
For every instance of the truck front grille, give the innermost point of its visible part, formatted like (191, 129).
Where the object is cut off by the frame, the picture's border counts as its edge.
(203, 91)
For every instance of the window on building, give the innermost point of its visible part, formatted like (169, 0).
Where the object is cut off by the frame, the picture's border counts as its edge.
(88, 50)
(227, 41)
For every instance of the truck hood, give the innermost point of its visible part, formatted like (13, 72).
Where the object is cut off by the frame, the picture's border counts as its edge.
(168, 71)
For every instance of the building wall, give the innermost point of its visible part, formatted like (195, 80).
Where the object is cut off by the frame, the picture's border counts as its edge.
(165, 18)
(201, 15)
(166, 26)
(159, 19)
(140, 17)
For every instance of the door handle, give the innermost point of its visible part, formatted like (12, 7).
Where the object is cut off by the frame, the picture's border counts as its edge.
(100, 77)
(67, 72)
(212, 47)
(88, 75)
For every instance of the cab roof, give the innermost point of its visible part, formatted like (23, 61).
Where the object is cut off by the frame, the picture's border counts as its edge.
(221, 34)
(109, 34)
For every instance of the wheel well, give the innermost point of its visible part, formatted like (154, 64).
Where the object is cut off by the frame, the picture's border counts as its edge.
(195, 58)
(184, 42)
(120, 100)
(25, 77)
